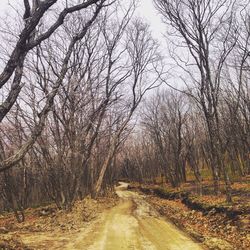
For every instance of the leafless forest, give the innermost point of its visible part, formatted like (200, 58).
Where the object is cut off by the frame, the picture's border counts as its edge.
(89, 96)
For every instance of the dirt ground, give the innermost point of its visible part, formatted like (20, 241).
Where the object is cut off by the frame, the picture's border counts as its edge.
(217, 229)
(131, 224)
(214, 230)
(134, 224)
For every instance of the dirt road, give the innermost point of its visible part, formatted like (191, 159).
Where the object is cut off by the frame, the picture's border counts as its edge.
(131, 225)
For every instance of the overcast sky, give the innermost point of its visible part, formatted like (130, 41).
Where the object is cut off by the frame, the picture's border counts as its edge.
(145, 10)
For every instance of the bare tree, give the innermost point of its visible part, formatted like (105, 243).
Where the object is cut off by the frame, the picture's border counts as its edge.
(28, 41)
(143, 57)
(206, 28)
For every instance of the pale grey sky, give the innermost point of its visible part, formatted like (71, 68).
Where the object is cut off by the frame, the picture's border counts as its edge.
(147, 11)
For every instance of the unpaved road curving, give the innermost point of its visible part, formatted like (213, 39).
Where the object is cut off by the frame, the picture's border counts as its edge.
(131, 225)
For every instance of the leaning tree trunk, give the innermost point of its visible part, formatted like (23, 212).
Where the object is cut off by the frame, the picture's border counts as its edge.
(104, 167)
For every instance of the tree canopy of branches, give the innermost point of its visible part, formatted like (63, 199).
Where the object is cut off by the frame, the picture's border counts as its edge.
(74, 75)
(84, 78)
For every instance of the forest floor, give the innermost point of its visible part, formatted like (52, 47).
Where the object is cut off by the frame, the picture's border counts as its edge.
(49, 228)
(108, 224)
(207, 218)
